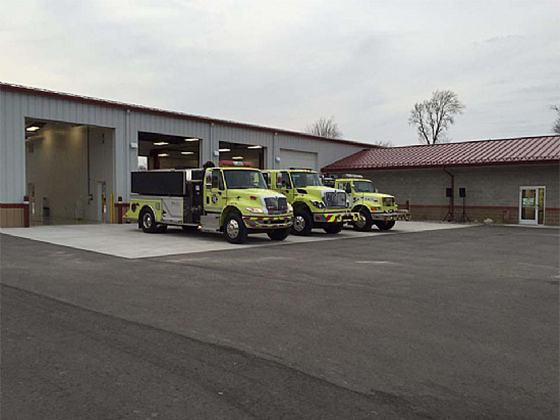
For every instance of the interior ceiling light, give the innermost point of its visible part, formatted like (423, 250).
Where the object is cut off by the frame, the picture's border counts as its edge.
(193, 139)
(163, 154)
(254, 147)
(224, 150)
(187, 153)
(237, 157)
(32, 128)
(160, 143)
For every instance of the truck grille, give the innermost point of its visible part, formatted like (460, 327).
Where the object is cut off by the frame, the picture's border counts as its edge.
(335, 199)
(388, 201)
(276, 204)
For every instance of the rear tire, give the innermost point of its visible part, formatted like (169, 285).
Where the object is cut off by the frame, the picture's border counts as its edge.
(235, 230)
(278, 234)
(366, 223)
(303, 223)
(385, 225)
(333, 228)
(148, 221)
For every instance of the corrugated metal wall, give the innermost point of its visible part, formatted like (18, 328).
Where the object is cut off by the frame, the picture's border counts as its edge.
(16, 106)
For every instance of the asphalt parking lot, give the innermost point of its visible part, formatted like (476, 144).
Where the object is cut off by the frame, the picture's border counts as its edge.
(449, 323)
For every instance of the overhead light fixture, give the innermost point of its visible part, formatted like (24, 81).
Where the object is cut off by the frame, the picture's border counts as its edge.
(160, 143)
(237, 157)
(254, 147)
(224, 150)
(163, 154)
(32, 128)
(193, 139)
(187, 153)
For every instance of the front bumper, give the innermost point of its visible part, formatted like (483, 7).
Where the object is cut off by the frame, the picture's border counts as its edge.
(391, 216)
(268, 222)
(346, 217)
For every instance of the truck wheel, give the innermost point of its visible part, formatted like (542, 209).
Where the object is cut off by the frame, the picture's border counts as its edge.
(333, 228)
(385, 225)
(303, 223)
(365, 223)
(148, 221)
(234, 229)
(278, 234)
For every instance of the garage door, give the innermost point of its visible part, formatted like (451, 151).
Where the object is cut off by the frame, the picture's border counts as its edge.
(297, 159)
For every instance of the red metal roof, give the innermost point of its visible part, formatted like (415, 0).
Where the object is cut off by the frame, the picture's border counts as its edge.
(472, 153)
(166, 113)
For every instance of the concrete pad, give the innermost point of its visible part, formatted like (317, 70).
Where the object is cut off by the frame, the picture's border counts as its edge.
(127, 241)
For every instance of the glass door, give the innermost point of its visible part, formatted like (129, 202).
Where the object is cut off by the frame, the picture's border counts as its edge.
(531, 205)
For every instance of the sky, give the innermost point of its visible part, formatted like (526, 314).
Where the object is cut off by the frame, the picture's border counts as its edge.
(287, 63)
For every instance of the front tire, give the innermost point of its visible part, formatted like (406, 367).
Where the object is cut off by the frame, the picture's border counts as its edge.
(333, 228)
(148, 221)
(385, 225)
(235, 230)
(303, 223)
(366, 222)
(278, 234)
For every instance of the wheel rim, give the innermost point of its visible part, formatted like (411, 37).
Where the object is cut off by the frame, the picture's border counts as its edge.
(362, 222)
(232, 228)
(147, 221)
(299, 223)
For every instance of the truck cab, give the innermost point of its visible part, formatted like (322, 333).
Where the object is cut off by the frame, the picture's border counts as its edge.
(232, 199)
(314, 205)
(375, 208)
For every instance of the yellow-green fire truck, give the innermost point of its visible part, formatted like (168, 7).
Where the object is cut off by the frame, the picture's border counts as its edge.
(231, 200)
(374, 207)
(315, 206)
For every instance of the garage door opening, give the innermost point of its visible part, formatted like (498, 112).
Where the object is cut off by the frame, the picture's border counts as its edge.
(69, 172)
(298, 159)
(247, 153)
(160, 151)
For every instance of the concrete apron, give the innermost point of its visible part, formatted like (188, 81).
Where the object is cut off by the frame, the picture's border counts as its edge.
(127, 241)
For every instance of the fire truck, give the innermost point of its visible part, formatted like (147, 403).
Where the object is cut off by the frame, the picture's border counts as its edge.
(374, 207)
(315, 205)
(233, 200)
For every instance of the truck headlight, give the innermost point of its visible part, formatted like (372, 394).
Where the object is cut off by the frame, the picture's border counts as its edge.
(254, 209)
(318, 204)
(375, 208)
(290, 208)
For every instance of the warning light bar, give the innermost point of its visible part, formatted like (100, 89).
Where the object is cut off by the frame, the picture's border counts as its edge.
(235, 163)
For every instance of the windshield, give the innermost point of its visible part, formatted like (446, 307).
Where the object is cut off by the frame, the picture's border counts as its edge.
(363, 187)
(236, 179)
(306, 179)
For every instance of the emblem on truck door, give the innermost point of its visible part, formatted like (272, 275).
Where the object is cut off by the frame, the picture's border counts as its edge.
(214, 198)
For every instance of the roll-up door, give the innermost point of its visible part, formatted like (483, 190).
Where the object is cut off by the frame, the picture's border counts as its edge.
(297, 159)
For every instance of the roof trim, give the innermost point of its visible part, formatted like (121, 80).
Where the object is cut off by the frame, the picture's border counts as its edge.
(440, 166)
(172, 114)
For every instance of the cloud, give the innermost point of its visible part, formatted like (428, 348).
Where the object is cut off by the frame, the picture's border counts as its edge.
(287, 63)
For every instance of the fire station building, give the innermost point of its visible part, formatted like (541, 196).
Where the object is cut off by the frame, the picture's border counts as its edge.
(511, 181)
(68, 159)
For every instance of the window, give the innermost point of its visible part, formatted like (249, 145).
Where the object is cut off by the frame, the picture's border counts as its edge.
(243, 179)
(306, 179)
(217, 179)
(364, 187)
(283, 180)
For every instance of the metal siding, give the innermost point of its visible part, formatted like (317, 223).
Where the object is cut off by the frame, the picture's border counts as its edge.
(18, 105)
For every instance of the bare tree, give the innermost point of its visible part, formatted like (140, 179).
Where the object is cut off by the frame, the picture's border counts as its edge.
(433, 117)
(556, 125)
(325, 128)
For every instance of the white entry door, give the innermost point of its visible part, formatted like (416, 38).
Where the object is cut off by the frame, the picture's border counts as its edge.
(531, 205)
